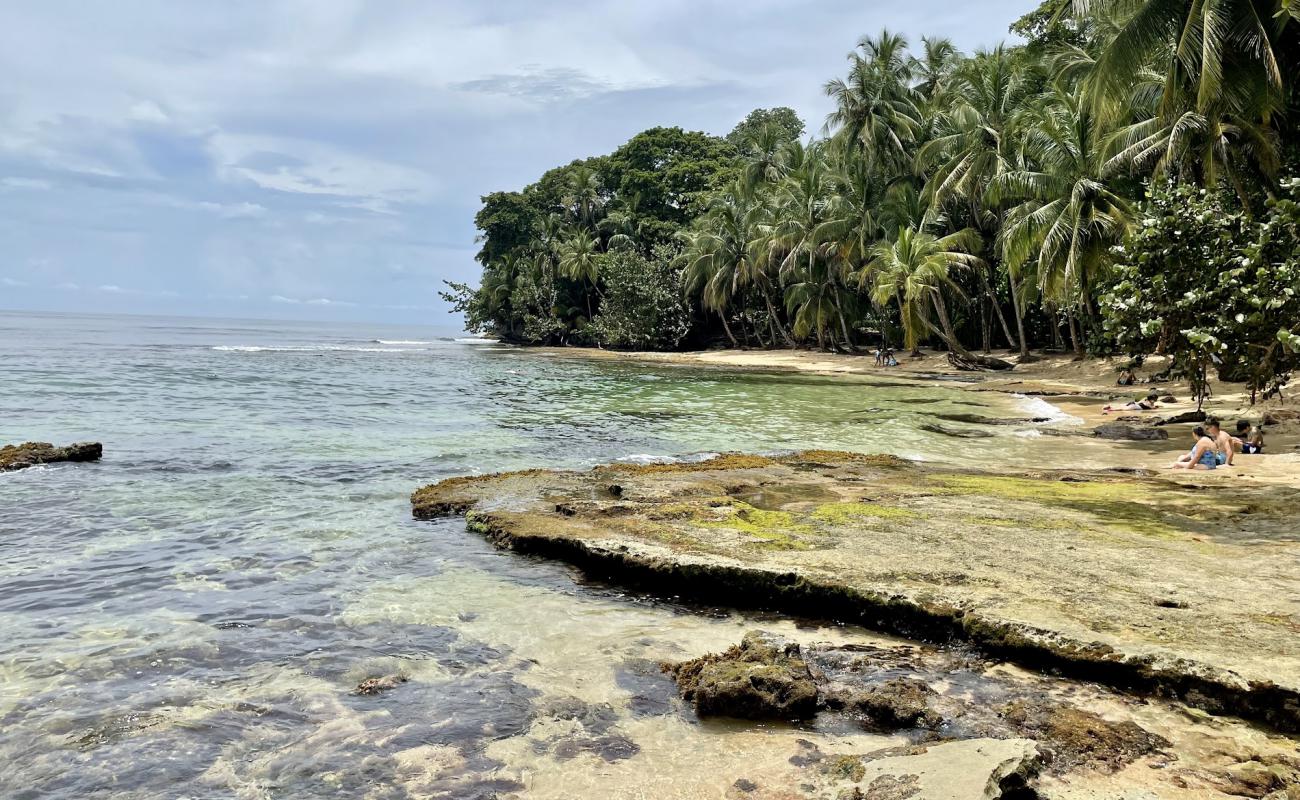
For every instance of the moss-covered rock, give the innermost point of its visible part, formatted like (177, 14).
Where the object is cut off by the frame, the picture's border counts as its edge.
(761, 678)
(899, 703)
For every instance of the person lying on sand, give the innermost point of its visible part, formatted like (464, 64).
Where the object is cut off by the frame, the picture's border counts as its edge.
(1249, 440)
(1147, 404)
(1201, 456)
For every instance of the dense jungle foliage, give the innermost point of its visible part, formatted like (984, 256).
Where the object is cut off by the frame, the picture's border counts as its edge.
(1117, 183)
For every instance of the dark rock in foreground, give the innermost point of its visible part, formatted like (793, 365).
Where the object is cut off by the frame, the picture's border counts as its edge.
(29, 454)
(761, 678)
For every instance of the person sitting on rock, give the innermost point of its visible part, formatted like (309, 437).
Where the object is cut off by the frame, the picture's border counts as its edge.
(1146, 404)
(1223, 447)
(1126, 378)
(1249, 440)
(1201, 456)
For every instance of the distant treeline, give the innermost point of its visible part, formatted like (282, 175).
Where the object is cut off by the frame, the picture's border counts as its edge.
(1117, 184)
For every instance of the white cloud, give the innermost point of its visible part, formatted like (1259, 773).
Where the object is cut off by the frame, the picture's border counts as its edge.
(14, 282)
(148, 111)
(26, 183)
(317, 301)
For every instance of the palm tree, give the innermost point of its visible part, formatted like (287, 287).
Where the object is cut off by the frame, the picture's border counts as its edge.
(1227, 70)
(876, 105)
(1067, 218)
(579, 260)
(914, 269)
(976, 147)
(795, 240)
(583, 196)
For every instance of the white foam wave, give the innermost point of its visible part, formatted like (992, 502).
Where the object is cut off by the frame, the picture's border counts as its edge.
(1037, 407)
(477, 340)
(402, 341)
(646, 458)
(312, 349)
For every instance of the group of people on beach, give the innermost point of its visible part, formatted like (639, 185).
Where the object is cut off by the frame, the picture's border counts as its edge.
(885, 357)
(1215, 447)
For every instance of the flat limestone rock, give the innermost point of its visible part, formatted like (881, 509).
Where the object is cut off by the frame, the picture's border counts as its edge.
(1188, 591)
(29, 454)
(974, 769)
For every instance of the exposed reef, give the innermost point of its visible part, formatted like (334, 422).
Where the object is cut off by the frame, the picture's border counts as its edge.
(30, 454)
(1141, 583)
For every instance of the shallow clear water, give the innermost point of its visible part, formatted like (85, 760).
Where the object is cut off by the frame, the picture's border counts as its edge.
(189, 617)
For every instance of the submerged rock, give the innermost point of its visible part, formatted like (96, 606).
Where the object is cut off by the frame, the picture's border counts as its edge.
(1076, 738)
(900, 703)
(1183, 418)
(29, 454)
(761, 678)
(373, 686)
(1132, 433)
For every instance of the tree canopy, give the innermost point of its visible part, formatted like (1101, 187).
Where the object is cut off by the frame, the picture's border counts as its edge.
(1118, 182)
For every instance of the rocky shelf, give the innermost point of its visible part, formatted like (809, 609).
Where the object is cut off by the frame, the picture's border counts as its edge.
(30, 454)
(1187, 591)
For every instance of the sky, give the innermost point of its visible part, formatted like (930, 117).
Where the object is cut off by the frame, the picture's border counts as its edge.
(323, 159)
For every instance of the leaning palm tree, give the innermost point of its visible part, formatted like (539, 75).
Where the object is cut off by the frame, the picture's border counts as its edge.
(913, 270)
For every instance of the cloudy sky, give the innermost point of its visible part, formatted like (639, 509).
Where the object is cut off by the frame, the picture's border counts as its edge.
(323, 159)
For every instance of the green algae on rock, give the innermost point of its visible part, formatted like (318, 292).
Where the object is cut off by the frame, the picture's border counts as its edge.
(30, 454)
(761, 678)
(1135, 581)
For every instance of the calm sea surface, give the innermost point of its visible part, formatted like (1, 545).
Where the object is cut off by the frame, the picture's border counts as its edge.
(188, 617)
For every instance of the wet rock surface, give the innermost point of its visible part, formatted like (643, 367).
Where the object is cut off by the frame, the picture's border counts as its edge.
(1128, 432)
(761, 678)
(1056, 570)
(30, 454)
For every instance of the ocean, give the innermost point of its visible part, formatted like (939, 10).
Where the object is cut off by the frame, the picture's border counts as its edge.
(189, 617)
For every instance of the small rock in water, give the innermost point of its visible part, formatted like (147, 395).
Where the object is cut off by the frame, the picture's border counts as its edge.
(373, 686)
(29, 454)
(900, 703)
(761, 678)
(1134, 433)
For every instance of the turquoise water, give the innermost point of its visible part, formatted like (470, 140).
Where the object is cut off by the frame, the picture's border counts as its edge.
(188, 617)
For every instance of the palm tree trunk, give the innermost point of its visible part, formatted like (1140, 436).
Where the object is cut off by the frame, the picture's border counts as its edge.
(902, 312)
(997, 309)
(1022, 342)
(948, 334)
(1074, 333)
(986, 328)
(722, 315)
(844, 325)
(771, 313)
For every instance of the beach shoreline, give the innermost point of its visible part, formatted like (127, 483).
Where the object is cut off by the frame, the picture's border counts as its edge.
(1078, 388)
